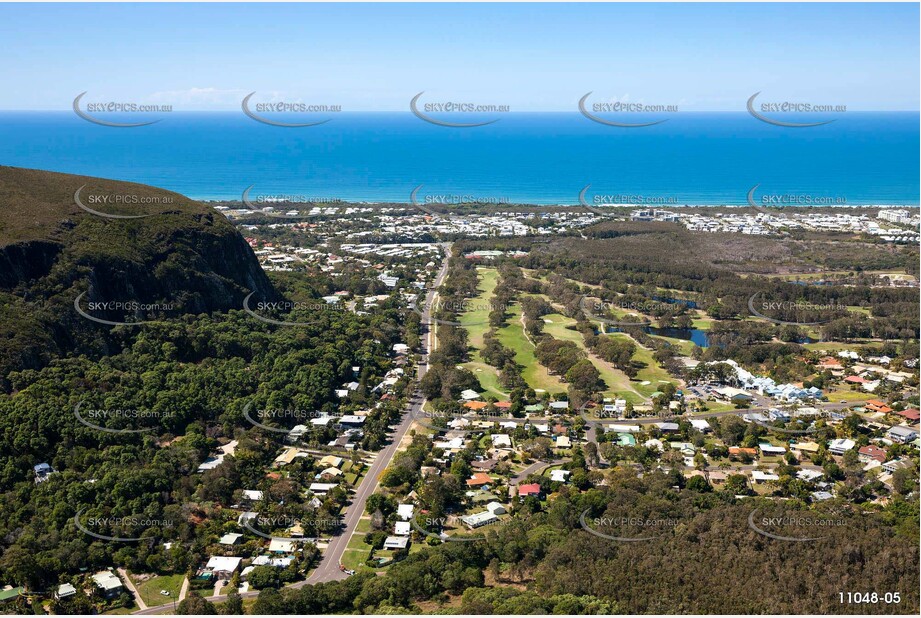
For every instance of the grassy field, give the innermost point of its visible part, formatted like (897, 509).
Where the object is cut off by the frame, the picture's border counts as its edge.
(357, 550)
(476, 323)
(844, 393)
(150, 589)
(535, 374)
(652, 372)
(683, 345)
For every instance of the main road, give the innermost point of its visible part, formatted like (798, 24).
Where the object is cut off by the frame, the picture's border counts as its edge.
(329, 568)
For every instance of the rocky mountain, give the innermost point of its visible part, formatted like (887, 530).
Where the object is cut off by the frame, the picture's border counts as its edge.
(128, 252)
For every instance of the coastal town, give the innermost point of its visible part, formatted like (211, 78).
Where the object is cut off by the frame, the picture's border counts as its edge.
(457, 469)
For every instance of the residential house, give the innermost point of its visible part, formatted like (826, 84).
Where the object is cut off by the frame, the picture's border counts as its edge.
(902, 434)
(42, 472)
(475, 520)
(529, 489)
(896, 464)
(109, 583)
(762, 477)
(495, 508)
(223, 567)
(479, 479)
(396, 542)
(804, 450)
(559, 476)
(402, 528)
(501, 440)
(770, 449)
(282, 546)
(700, 425)
(912, 415)
(840, 445)
(871, 452)
(231, 538)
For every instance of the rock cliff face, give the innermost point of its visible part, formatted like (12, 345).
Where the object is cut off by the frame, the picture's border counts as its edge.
(177, 253)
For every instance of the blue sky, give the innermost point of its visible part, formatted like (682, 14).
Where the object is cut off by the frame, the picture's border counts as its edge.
(532, 57)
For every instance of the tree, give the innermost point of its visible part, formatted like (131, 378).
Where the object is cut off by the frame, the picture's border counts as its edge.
(234, 604)
(583, 376)
(264, 577)
(699, 484)
(591, 454)
(194, 604)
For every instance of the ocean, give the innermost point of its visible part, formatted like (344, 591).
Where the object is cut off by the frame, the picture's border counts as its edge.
(540, 158)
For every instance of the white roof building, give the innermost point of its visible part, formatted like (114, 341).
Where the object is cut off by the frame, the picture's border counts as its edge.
(501, 440)
(321, 489)
(401, 528)
(107, 581)
(700, 424)
(760, 477)
(230, 538)
(396, 542)
(281, 546)
(839, 446)
(225, 564)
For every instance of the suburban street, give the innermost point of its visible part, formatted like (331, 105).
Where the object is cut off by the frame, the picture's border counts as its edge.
(329, 570)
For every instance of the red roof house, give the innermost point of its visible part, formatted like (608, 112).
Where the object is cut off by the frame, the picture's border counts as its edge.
(529, 489)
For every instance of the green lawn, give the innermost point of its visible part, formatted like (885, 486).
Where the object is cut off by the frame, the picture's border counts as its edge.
(684, 346)
(476, 323)
(535, 374)
(652, 372)
(488, 377)
(150, 589)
